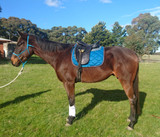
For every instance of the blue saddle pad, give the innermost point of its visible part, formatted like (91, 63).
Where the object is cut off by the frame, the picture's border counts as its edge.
(96, 58)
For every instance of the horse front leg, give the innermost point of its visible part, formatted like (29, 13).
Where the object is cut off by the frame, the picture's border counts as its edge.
(70, 89)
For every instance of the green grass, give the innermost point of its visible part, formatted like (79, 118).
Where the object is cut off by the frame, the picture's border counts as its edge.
(36, 104)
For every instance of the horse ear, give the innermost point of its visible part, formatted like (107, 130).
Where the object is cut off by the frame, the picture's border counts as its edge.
(20, 33)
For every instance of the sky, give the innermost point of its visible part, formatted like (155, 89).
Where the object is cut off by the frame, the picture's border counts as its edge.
(81, 13)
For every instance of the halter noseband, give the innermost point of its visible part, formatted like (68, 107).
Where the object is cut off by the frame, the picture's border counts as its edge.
(28, 45)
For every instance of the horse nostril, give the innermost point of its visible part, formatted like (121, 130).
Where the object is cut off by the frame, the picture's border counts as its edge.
(12, 63)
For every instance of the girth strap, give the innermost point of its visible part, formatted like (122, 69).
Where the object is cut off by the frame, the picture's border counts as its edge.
(78, 78)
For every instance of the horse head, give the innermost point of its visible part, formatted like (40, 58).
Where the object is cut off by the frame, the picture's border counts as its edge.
(23, 50)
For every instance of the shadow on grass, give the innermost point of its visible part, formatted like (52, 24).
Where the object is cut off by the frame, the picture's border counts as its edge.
(105, 95)
(22, 98)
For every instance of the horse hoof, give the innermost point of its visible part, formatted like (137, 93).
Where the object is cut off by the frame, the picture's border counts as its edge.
(129, 128)
(128, 120)
(67, 125)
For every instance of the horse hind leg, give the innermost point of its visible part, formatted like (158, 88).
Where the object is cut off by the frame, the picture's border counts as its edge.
(129, 90)
(136, 93)
(133, 112)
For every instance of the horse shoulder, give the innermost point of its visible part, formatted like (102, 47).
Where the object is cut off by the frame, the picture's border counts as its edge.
(65, 70)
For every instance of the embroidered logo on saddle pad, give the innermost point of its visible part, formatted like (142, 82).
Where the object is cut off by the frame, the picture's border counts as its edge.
(96, 57)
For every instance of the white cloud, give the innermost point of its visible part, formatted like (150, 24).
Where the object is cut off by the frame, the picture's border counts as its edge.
(106, 1)
(53, 3)
(153, 11)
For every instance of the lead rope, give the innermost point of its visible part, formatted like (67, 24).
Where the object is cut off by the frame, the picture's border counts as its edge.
(20, 72)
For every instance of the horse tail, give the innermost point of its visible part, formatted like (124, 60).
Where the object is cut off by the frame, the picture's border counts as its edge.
(136, 91)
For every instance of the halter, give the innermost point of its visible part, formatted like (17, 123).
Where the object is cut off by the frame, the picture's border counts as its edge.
(28, 45)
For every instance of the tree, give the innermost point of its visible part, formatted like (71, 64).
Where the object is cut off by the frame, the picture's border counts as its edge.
(118, 34)
(2, 30)
(98, 33)
(66, 35)
(135, 43)
(134, 40)
(147, 27)
(10, 26)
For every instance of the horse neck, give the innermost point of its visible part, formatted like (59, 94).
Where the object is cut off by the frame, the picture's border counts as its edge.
(51, 57)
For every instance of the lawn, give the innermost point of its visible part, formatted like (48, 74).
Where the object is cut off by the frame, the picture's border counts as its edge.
(36, 104)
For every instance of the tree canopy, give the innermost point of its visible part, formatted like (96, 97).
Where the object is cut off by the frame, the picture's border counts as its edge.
(118, 34)
(146, 29)
(106, 37)
(66, 35)
(10, 26)
(98, 33)
(142, 36)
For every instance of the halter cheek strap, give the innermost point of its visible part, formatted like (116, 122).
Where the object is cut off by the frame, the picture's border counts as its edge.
(28, 45)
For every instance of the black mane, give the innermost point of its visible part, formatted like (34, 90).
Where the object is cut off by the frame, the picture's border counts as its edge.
(51, 45)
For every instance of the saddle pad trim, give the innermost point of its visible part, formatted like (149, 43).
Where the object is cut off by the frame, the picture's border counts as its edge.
(96, 58)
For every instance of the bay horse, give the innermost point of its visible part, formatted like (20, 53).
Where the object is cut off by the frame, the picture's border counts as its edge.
(118, 61)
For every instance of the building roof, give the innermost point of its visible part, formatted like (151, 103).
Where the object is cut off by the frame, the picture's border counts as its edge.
(4, 40)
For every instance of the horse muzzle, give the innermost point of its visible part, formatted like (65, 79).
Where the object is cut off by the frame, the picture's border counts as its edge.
(15, 61)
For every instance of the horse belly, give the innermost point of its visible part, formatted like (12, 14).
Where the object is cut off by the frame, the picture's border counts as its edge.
(95, 74)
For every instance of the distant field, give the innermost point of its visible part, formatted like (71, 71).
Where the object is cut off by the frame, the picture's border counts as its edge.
(36, 104)
(151, 58)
